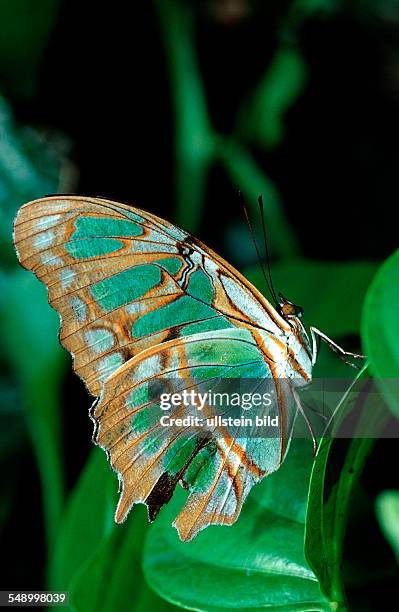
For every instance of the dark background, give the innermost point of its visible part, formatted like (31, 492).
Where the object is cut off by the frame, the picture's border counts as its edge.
(101, 79)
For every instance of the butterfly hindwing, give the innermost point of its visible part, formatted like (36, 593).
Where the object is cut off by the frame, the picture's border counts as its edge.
(217, 464)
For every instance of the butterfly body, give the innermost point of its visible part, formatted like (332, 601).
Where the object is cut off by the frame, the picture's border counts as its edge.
(141, 300)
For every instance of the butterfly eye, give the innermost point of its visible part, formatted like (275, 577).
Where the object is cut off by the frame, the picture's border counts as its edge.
(288, 309)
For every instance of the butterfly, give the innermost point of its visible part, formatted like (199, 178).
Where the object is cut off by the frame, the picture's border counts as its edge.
(141, 301)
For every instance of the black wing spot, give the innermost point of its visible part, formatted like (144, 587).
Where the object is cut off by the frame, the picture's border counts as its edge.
(161, 494)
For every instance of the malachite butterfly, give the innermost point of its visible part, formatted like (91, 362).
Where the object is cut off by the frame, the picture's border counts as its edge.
(139, 300)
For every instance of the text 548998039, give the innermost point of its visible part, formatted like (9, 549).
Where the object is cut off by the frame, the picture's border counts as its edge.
(33, 598)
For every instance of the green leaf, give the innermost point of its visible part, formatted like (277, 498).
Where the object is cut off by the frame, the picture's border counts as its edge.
(87, 520)
(112, 578)
(380, 330)
(387, 510)
(256, 564)
(333, 481)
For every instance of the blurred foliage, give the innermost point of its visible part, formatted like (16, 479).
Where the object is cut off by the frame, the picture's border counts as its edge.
(286, 551)
(29, 168)
(198, 146)
(262, 121)
(23, 41)
(98, 562)
(36, 358)
(304, 282)
(387, 508)
(329, 498)
(380, 328)
(261, 555)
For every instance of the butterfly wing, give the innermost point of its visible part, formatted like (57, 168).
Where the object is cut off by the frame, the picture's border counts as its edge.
(131, 291)
(216, 463)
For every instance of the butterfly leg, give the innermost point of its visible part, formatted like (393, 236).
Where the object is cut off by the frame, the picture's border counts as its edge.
(318, 335)
(306, 419)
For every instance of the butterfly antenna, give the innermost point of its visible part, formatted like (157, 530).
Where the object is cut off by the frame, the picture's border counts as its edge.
(262, 216)
(269, 286)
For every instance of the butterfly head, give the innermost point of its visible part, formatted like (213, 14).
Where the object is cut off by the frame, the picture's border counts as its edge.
(287, 309)
(299, 339)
